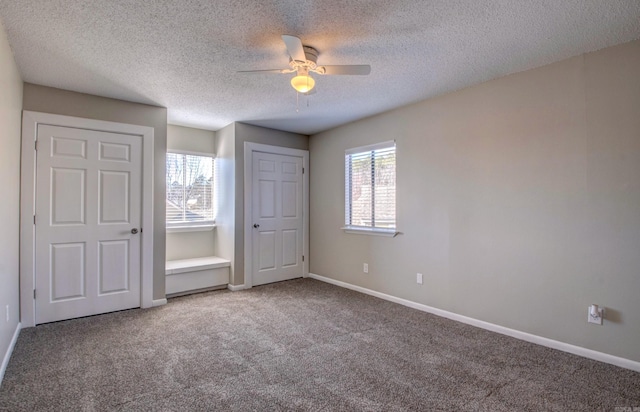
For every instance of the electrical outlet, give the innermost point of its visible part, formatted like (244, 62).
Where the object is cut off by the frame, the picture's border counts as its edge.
(419, 278)
(595, 314)
(365, 267)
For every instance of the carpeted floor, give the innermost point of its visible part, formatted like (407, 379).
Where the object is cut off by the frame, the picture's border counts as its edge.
(298, 345)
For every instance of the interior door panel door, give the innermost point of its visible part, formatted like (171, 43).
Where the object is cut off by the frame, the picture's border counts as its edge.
(277, 217)
(88, 200)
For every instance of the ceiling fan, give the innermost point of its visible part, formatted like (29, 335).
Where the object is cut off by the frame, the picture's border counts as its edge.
(303, 61)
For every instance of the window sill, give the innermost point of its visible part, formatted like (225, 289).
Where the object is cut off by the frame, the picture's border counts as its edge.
(370, 231)
(179, 229)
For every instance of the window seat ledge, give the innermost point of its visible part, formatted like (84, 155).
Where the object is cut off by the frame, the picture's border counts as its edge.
(201, 228)
(184, 276)
(173, 267)
(370, 231)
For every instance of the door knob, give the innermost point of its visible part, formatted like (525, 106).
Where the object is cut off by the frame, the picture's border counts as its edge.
(134, 231)
(256, 225)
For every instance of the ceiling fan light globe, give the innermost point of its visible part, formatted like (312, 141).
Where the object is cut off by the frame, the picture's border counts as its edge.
(303, 84)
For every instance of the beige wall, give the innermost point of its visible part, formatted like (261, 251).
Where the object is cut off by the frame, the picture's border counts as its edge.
(186, 245)
(10, 125)
(518, 199)
(57, 101)
(248, 133)
(190, 139)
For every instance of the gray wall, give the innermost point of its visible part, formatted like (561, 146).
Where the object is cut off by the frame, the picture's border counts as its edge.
(57, 101)
(229, 233)
(190, 139)
(518, 199)
(186, 245)
(10, 126)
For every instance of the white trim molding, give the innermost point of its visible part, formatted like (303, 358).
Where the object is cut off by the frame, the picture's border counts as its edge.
(195, 228)
(373, 231)
(539, 340)
(235, 288)
(30, 122)
(7, 354)
(159, 302)
(249, 149)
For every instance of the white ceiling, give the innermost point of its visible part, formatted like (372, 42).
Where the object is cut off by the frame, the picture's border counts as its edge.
(184, 54)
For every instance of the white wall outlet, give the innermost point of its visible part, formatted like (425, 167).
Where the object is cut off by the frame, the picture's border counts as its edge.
(419, 278)
(365, 267)
(595, 314)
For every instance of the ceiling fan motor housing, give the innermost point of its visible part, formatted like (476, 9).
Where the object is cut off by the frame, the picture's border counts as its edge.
(311, 54)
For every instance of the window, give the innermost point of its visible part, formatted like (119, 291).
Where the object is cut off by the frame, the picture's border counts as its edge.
(190, 200)
(370, 188)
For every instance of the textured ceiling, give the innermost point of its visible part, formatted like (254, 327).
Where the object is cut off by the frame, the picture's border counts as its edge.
(184, 54)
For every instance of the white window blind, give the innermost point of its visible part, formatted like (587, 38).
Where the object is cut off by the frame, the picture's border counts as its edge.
(190, 199)
(370, 186)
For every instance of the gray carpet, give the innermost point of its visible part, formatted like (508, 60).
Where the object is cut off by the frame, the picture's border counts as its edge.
(298, 345)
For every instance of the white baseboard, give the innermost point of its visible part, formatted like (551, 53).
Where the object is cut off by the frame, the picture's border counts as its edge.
(550, 343)
(235, 288)
(7, 355)
(158, 302)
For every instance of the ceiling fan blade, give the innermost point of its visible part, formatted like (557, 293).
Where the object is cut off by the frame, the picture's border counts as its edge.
(294, 47)
(354, 69)
(278, 71)
(310, 92)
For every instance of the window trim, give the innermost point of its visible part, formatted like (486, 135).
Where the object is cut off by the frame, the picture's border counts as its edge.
(365, 230)
(191, 228)
(201, 226)
(373, 231)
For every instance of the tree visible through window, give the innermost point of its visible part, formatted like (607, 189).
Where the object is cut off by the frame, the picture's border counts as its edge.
(189, 190)
(370, 186)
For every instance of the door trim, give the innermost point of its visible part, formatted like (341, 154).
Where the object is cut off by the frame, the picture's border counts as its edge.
(30, 122)
(249, 149)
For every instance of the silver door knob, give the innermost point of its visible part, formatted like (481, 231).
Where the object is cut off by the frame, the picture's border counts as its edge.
(134, 231)
(256, 225)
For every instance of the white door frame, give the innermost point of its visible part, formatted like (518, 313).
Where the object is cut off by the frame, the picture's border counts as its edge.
(249, 149)
(30, 122)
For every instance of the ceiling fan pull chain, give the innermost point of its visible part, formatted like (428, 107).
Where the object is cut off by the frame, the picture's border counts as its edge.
(297, 102)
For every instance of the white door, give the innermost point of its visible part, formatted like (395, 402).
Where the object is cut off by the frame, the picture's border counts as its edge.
(88, 215)
(277, 218)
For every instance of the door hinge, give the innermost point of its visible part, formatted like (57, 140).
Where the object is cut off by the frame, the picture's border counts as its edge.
(303, 170)
(34, 219)
(36, 146)
(34, 294)
(303, 258)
